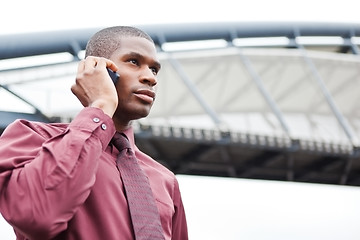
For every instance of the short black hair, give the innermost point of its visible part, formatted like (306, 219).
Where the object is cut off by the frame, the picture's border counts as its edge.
(105, 42)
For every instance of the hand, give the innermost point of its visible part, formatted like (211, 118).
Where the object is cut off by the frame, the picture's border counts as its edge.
(94, 87)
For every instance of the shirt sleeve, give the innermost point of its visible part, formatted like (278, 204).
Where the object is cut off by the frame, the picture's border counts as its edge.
(179, 225)
(46, 174)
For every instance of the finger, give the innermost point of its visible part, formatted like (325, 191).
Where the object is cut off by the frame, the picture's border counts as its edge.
(81, 65)
(110, 64)
(76, 91)
(106, 63)
(90, 62)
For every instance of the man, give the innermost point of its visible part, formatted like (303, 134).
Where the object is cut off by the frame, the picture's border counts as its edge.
(61, 181)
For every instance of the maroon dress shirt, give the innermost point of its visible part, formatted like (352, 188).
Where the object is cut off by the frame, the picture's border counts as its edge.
(60, 181)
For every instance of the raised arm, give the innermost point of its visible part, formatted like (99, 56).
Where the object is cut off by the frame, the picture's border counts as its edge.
(47, 171)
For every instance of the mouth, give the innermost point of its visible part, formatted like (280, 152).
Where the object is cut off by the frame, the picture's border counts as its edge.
(145, 95)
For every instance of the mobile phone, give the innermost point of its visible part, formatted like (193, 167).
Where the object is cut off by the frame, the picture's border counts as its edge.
(114, 75)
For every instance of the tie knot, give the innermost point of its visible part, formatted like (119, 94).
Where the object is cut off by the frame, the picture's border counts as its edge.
(120, 141)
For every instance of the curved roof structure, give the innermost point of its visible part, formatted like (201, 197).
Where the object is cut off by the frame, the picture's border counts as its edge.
(73, 41)
(251, 100)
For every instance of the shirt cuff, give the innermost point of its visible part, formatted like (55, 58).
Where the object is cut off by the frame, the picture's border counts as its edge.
(96, 121)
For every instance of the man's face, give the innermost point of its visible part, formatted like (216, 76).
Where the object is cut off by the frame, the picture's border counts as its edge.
(138, 68)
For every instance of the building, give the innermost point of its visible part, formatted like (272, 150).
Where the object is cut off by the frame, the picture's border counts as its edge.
(274, 101)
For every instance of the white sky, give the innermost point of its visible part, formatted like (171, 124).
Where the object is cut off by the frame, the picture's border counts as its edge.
(253, 210)
(38, 15)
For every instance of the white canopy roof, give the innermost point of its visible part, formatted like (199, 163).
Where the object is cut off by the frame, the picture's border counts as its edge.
(266, 91)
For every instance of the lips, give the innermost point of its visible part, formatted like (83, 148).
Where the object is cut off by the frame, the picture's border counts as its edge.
(145, 95)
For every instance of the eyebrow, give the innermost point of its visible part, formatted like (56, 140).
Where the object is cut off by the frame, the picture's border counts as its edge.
(137, 55)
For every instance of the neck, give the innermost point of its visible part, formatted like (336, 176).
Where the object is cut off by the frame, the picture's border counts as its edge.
(121, 126)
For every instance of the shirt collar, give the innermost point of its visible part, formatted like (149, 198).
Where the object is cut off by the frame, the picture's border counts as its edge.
(130, 135)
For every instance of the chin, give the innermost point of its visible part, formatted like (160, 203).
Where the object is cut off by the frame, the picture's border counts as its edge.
(140, 113)
(144, 114)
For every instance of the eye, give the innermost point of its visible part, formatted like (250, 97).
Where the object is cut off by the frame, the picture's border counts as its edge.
(134, 61)
(154, 71)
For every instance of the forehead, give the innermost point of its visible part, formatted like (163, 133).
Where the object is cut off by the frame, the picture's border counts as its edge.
(137, 45)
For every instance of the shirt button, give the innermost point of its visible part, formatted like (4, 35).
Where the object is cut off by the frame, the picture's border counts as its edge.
(96, 119)
(103, 126)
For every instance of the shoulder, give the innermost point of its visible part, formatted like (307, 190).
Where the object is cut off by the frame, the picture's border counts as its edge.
(157, 172)
(152, 163)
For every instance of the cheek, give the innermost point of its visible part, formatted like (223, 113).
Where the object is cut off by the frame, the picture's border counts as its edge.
(126, 80)
(122, 87)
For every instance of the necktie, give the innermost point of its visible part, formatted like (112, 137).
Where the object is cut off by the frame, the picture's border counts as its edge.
(143, 210)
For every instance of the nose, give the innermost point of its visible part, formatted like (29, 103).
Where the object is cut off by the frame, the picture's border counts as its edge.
(148, 77)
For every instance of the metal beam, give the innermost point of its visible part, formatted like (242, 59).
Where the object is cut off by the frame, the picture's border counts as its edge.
(29, 44)
(329, 99)
(194, 90)
(259, 83)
